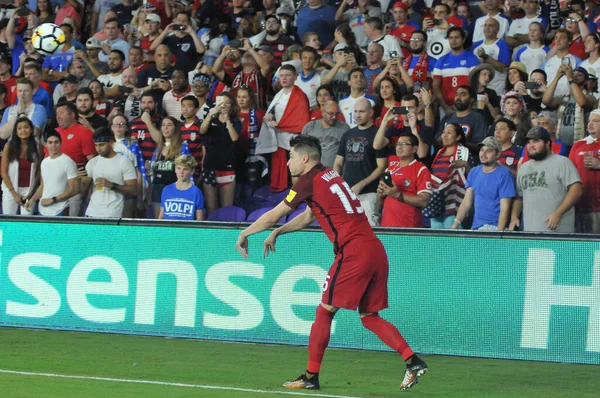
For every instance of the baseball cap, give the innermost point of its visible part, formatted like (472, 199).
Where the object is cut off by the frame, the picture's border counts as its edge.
(202, 78)
(491, 143)
(400, 5)
(284, 10)
(69, 79)
(538, 133)
(340, 47)
(266, 49)
(518, 66)
(92, 42)
(582, 70)
(152, 18)
(272, 16)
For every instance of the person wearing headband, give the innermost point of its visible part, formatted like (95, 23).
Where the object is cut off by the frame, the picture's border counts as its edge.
(113, 177)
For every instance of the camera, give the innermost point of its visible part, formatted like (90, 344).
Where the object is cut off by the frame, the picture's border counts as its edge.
(236, 44)
(400, 110)
(437, 22)
(531, 85)
(393, 54)
(387, 179)
(178, 27)
(566, 13)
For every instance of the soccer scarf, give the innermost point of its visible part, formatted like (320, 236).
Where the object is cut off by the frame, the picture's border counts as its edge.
(253, 130)
(420, 70)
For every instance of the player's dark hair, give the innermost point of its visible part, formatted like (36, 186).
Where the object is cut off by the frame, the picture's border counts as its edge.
(543, 72)
(307, 144)
(14, 145)
(446, 6)
(109, 20)
(414, 141)
(54, 133)
(193, 99)
(70, 106)
(85, 91)
(470, 89)
(509, 123)
(463, 33)
(119, 53)
(420, 32)
(411, 97)
(289, 68)
(354, 70)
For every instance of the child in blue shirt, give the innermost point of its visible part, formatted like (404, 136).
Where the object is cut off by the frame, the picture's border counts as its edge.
(182, 200)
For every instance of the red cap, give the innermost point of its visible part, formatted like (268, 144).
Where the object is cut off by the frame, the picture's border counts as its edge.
(400, 5)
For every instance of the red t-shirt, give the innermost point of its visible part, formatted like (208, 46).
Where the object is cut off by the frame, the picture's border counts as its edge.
(403, 34)
(11, 88)
(410, 180)
(335, 206)
(577, 48)
(590, 179)
(77, 143)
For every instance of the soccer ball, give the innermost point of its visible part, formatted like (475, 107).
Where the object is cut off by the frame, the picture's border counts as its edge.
(48, 39)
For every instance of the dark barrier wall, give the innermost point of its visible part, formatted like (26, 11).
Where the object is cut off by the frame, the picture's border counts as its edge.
(500, 296)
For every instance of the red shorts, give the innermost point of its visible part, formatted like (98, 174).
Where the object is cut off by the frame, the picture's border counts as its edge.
(358, 278)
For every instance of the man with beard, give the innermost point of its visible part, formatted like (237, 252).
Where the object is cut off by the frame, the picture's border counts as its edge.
(139, 127)
(472, 122)
(548, 187)
(86, 110)
(491, 188)
(418, 64)
(274, 39)
(375, 65)
(171, 101)
(182, 41)
(452, 70)
(113, 80)
(162, 70)
(254, 72)
(201, 87)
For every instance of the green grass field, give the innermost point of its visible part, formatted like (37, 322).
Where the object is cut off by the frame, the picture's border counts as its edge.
(259, 368)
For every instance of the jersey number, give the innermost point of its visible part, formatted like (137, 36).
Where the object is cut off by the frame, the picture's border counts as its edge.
(343, 195)
(455, 82)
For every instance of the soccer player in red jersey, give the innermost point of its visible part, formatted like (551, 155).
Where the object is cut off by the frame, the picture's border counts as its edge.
(357, 278)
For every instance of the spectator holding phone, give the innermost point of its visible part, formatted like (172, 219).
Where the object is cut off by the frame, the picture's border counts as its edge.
(182, 200)
(562, 41)
(405, 187)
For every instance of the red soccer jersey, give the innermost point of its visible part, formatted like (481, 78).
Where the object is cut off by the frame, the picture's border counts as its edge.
(403, 34)
(577, 49)
(410, 180)
(335, 206)
(191, 135)
(77, 143)
(590, 179)
(139, 132)
(11, 88)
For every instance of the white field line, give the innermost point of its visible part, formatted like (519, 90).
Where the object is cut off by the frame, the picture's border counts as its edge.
(164, 383)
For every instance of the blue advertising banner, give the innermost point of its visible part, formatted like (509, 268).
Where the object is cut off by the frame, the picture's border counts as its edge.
(472, 296)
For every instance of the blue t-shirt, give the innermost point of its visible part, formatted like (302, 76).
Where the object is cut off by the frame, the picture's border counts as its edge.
(319, 20)
(181, 205)
(488, 189)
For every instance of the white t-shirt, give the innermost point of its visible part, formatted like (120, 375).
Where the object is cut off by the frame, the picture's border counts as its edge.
(551, 67)
(309, 86)
(109, 80)
(281, 104)
(437, 43)
(521, 26)
(390, 44)
(106, 202)
(502, 20)
(596, 66)
(347, 107)
(56, 173)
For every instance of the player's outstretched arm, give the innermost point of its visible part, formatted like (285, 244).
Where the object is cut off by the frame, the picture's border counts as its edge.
(265, 222)
(296, 224)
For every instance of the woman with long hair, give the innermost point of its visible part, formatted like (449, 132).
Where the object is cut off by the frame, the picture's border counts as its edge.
(45, 12)
(20, 167)
(488, 102)
(386, 99)
(343, 34)
(513, 107)
(129, 148)
(324, 94)
(170, 146)
(102, 106)
(516, 73)
(449, 173)
(252, 118)
(221, 128)
(215, 37)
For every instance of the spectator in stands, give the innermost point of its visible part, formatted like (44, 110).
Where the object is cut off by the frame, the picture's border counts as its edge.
(573, 23)
(375, 65)
(533, 54)
(85, 108)
(45, 12)
(519, 32)
(113, 41)
(403, 28)
(316, 16)
(3, 107)
(130, 105)
(171, 101)
(517, 73)
(34, 112)
(552, 67)
(170, 146)
(490, 188)
(449, 72)
(410, 187)
(548, 120)
(358, 84)
(94, 67)
(343, 35)
(114, 80)
(128, 148)
(58, 180)
(533, 97)
(113, 176)
(494, 51)
(449, 171)
(101, 105)
(69, 85)
(356, 15)
(510, 154)
(548, 188)
(337, 77)
(488, 102)
(374, 32)
(21, 159)
(182, 200)
(33, 72)
(200, 87)
(494, 9)
(139, 126)
(571, 107)
(161, 70)
(252, 118)
(359, 163)
(396, 70)
(472, 122)
(182, 41)
(77, 143)
(329, 130)
(513, 107)
(145, 40)
(55, 66)
(190, 133)
(75, 69)
(275, 40)
(6, 77)
(221, 130)
(592, 50)
(418, 64)
(387, 99)
(309, 80)
(136, 59)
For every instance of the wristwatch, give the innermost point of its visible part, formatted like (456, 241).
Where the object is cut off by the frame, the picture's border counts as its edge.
(54, 200)
(427, 106)
(571, 82)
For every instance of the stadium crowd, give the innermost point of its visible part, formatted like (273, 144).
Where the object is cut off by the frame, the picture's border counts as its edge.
(479, 115)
